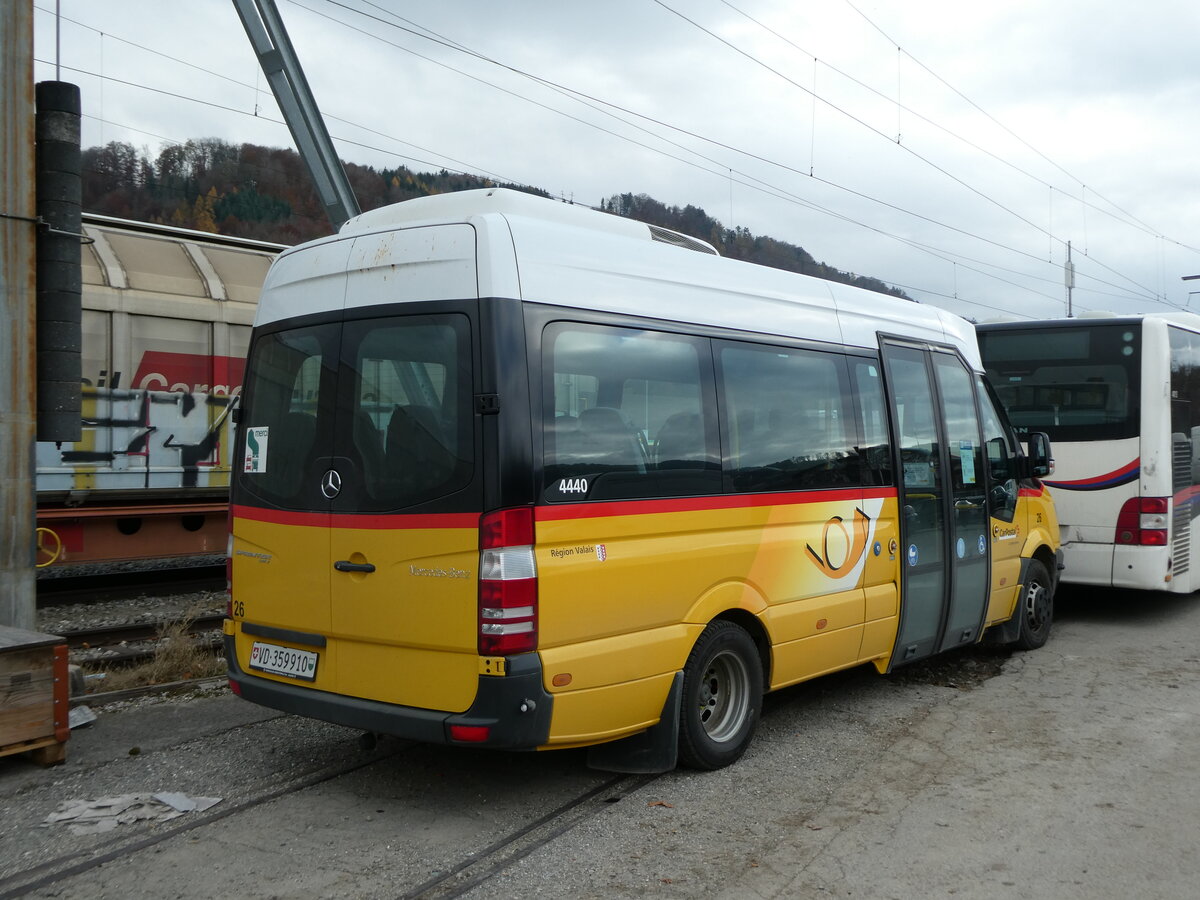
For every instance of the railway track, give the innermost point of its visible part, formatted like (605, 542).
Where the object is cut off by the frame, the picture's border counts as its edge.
(110, 635)
(476, 869)
(127, 644)
(453, 878)
(89, 587)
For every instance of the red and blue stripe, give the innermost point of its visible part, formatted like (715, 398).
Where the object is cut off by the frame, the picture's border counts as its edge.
(1127, 473)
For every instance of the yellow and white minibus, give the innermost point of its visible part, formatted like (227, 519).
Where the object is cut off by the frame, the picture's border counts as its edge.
(518, 474)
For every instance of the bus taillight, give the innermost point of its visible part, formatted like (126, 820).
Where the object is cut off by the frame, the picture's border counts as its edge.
(1143, 522)
(507, 583)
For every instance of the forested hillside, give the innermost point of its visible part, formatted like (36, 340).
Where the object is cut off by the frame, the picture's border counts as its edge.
(265, 193)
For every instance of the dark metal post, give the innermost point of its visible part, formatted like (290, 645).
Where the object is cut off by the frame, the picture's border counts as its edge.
(59, 279)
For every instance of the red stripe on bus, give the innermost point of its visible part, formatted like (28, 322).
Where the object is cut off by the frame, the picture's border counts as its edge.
(357, 520)
(555, 513)
(701, 504)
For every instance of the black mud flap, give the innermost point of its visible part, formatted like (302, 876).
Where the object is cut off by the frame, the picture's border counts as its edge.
(652, 751)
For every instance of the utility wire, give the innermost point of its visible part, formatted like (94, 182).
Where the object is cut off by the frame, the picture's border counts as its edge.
(1132, 219)
(927, 161)
(1125, 218)
(567, 92)
(442, 40)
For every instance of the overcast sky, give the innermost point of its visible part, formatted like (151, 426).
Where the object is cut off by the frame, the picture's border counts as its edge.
(952, 149)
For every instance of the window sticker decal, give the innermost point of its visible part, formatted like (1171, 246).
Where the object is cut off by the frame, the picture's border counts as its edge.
(966, 453)
(256, 449)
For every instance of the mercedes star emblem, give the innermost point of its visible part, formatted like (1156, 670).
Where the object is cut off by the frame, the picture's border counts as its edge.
(331, 484)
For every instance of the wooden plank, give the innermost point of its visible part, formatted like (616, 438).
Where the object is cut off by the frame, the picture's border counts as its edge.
(20, 639)
(26, 695)
(34, 695)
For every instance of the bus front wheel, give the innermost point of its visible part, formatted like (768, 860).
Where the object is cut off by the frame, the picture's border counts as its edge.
(1037, 608)
(722, 697)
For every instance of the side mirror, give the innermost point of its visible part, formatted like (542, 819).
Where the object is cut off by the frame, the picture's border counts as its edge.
(999, 460)
(1039, 463)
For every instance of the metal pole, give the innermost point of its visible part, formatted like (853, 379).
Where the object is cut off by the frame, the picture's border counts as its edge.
(1069, 278)
(17, 311)
(279, 62)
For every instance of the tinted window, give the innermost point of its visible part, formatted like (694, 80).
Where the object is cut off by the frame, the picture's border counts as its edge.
(626, 415)
(1076, 383)
(386, 403)
(1001, 457)
(788, 423)
(962, 424)
(1185, 407)
(406, 388)
(874, 450)
(288, 394)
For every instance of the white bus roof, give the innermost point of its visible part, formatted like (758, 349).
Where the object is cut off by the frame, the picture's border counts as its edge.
(1182, 318)
(543, 251)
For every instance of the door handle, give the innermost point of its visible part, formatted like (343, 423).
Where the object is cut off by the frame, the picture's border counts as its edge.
(967, 504)
(344, 565)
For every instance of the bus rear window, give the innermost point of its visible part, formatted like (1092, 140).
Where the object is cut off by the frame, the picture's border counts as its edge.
(381, 405)
(1074, 382)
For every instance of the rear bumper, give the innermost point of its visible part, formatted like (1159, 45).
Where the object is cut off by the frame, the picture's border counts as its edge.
(514, 707)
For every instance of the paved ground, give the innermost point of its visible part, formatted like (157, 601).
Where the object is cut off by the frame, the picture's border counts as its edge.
(1072, 773)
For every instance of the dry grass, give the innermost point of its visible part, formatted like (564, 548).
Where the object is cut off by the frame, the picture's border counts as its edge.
(178, 655)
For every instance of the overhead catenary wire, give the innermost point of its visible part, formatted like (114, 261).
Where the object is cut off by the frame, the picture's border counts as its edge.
(715, 166)
(1130, 218)
(437, 38)
(455, 45)
(908, 149)
(1124, 217)
(428, 34)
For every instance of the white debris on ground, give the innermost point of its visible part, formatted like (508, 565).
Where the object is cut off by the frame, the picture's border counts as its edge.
(98, 816)
(80, 716)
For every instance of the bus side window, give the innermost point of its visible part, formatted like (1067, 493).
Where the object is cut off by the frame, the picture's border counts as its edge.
(875, 453)
(630, 416)
(788, 419)
(1001, 458)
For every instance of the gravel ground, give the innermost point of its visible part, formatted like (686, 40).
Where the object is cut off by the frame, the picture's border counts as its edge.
(133, 565)
(138, 610)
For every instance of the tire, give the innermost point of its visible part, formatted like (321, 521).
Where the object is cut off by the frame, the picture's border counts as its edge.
(722, 697)
(1036, 608)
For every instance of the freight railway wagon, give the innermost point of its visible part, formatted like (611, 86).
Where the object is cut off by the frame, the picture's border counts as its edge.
(166, 325)
(514, 473)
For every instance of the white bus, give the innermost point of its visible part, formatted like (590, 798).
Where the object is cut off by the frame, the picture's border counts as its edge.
(1120, 399)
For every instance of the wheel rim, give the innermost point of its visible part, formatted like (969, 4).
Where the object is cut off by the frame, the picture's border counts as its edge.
(1037, 606)
(724, 698)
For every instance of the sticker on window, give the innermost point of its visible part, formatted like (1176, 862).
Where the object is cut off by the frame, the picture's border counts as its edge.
(966, 453)
(256, 449)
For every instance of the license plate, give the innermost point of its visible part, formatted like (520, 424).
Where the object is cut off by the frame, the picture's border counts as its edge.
(283, 661)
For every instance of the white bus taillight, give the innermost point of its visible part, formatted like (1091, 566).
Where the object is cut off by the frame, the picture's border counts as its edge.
(507, 583)
(1143, 521)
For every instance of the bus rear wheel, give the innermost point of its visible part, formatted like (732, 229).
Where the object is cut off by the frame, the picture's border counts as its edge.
(1037, 608)
(722, 697)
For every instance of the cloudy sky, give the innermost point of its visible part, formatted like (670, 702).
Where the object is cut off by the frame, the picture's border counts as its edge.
(952, 149)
